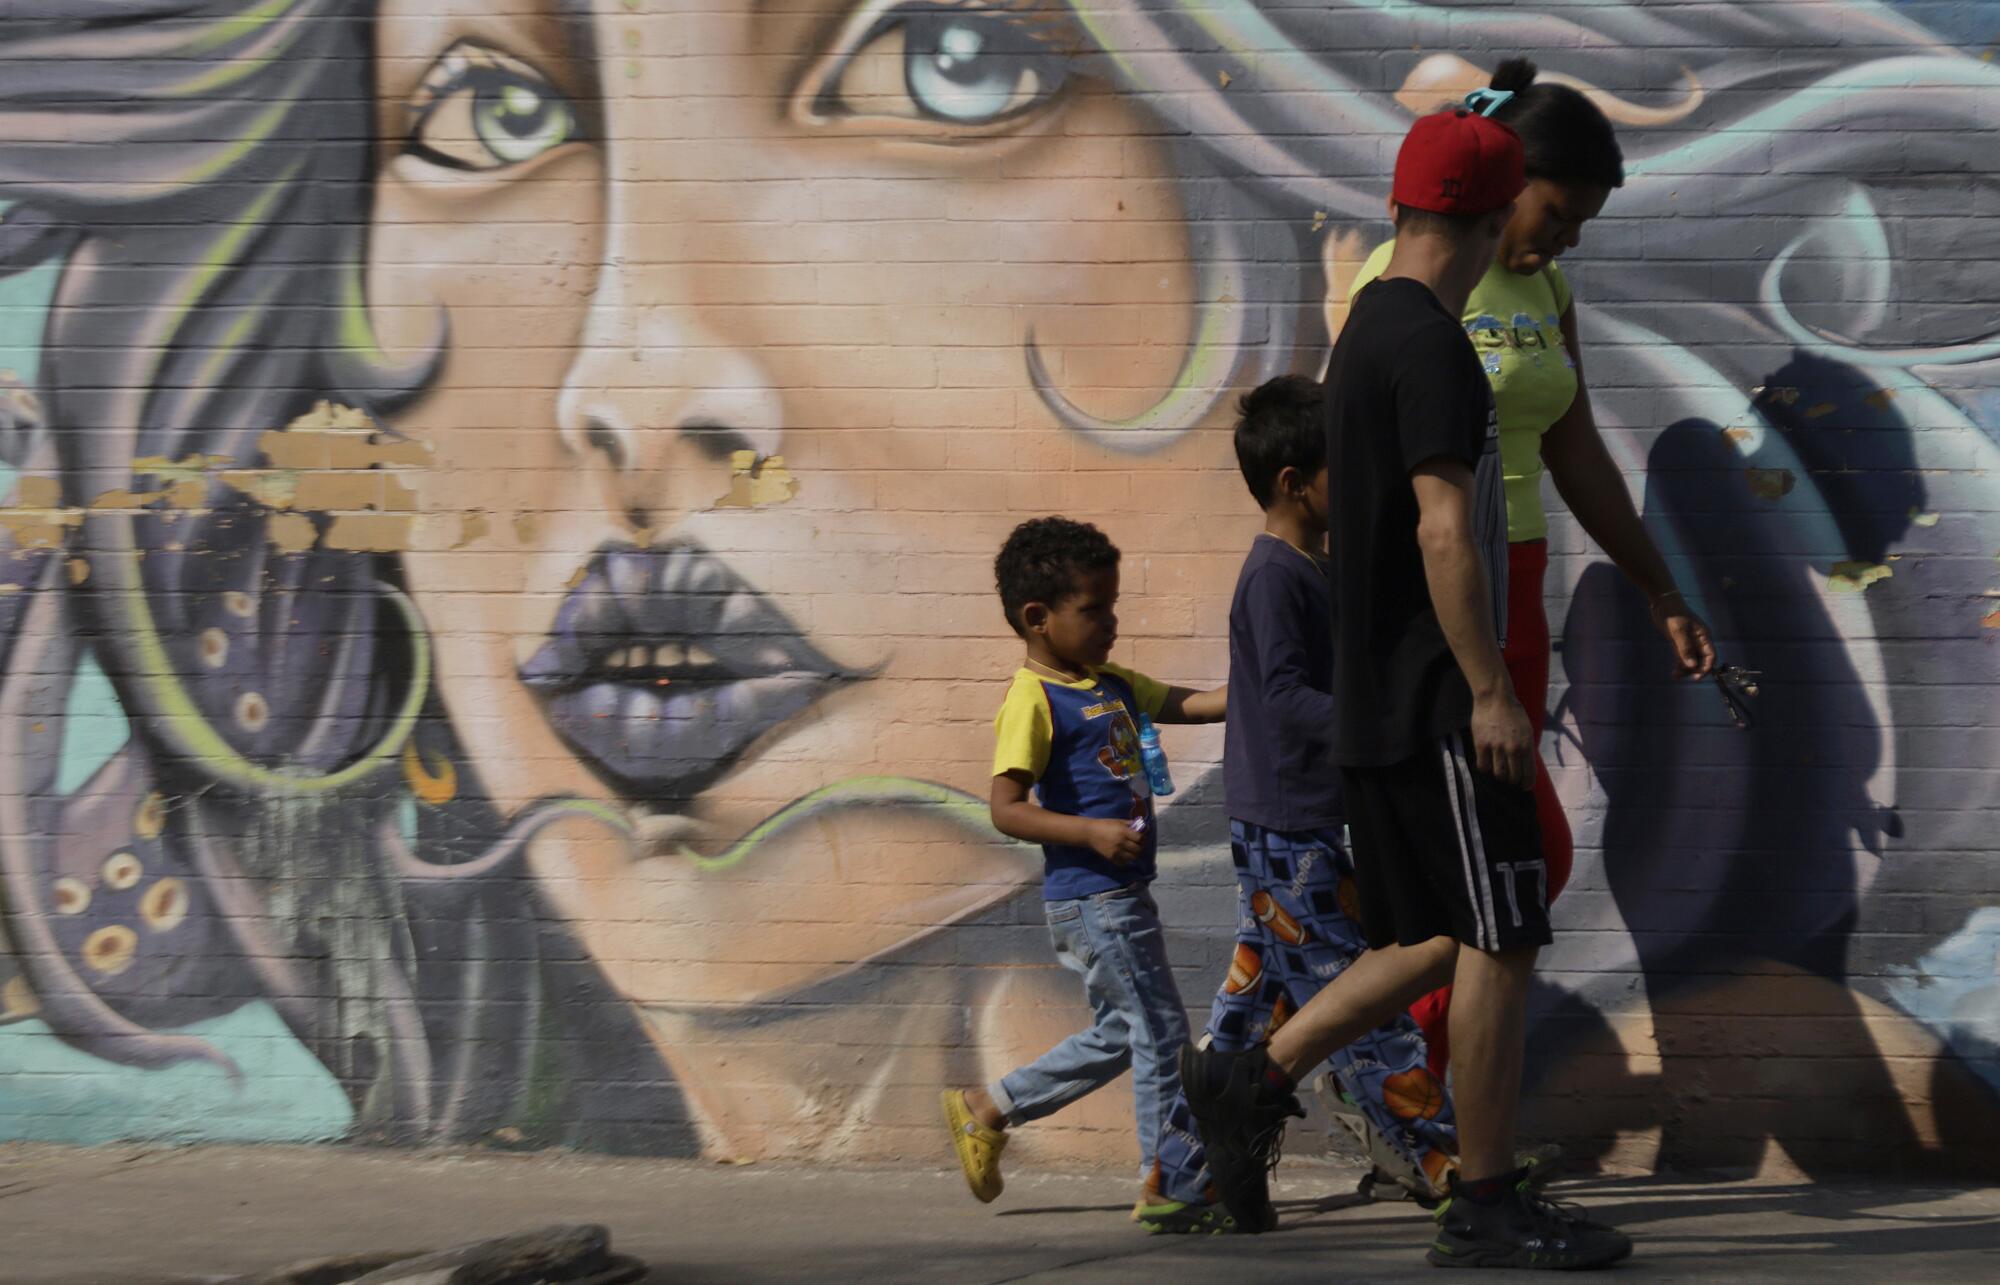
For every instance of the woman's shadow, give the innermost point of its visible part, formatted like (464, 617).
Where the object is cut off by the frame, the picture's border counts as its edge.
(1734, 856)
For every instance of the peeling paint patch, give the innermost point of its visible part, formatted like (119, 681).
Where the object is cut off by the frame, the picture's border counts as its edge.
(1775, 395)
(1770, 483)
(1223, 78)
(274, 488)
(38, 519)
(1319, 220)
(370, 532)
(291, 532)
(527, 529)
(334, 436)
(17, 1001)
(1991, 619)
(1924, 519)
(1853, 577)
(472, 526)
(752, 484)
(189, 468)
(1880, 398)
(1821, 410)
(79, 570)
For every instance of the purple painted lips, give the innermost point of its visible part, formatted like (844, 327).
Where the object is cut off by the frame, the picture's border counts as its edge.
(664, 664)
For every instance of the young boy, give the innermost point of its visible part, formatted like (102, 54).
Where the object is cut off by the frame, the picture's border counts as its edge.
(1068, 730)
(1295, 881)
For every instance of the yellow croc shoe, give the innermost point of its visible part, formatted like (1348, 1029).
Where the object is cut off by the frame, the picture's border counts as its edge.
(978, 1147)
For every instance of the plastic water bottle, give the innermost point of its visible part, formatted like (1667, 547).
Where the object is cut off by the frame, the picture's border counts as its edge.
(1154, 758)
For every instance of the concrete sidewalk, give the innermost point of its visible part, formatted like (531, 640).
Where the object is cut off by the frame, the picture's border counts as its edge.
(128, 1216)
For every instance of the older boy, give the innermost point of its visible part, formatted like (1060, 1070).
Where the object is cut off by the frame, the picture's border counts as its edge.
(1295, 881)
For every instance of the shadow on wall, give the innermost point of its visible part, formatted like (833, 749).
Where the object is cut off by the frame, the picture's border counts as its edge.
(1739, 859)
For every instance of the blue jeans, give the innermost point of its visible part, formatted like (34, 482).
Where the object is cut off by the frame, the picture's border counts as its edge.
(1115, 941)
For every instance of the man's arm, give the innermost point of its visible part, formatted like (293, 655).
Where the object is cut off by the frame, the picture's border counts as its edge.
(1018, 816)
(1502, 738)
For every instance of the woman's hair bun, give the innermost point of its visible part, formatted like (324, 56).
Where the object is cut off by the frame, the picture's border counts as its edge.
(1514, 75)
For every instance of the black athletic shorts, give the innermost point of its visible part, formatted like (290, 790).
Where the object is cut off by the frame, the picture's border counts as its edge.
(1441, 849)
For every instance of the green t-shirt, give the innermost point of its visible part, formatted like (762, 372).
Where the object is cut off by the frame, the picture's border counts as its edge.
(1516, 324)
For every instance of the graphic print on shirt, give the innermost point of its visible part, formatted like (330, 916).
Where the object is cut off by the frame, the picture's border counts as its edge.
(1120, 757)
(1120, 754)
(1525, 337)
(1489, 519)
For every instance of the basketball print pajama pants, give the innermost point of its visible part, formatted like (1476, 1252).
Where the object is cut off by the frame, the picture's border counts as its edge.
(1297, 931)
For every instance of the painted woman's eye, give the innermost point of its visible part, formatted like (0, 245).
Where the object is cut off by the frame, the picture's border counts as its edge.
(479, 109)
(951, 65)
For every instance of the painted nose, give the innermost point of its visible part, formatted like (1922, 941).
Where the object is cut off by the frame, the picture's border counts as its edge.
(668, 408)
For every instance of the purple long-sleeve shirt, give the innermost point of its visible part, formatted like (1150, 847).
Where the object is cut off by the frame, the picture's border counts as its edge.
(1277, 761)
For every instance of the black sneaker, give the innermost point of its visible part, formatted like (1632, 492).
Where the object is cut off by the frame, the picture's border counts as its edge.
(1241, 1119)
(1522, 1229)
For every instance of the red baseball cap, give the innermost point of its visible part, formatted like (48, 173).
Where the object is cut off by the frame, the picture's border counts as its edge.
(1458, 162)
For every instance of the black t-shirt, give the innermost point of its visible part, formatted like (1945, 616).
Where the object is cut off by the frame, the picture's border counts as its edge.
(1404, 387)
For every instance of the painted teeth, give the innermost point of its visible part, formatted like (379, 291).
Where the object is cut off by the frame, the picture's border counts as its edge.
(667, 656)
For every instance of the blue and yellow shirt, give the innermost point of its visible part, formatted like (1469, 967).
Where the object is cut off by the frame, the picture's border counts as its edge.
(1079, 743)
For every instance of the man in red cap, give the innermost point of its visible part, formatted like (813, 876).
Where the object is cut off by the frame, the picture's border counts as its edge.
(1436, 754)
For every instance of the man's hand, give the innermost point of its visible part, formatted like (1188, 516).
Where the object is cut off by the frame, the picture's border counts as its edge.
(1116, 841)
(1687, 633)
(1503, 740)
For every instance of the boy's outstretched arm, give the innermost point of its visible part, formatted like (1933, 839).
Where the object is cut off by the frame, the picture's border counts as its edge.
(1019, 817)
(1186, 705)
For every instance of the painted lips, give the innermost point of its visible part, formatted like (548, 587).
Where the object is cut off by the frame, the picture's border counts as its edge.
(664, 664)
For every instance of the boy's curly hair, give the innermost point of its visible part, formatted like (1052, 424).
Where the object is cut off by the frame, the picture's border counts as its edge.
(1043, 558)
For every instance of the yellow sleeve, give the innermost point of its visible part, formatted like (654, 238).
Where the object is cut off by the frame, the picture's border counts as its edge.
(1023, 731)
(1152, 693)
(1371, 267)
(1560, 284)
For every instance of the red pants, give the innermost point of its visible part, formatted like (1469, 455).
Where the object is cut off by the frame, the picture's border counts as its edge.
(1527, 657)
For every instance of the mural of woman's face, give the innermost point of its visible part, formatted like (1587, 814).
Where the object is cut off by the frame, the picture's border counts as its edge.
(737, 303)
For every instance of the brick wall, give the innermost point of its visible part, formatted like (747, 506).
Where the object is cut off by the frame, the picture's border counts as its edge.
(496, 623)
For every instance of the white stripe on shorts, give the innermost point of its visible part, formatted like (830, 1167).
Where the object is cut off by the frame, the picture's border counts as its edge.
(1471, 845)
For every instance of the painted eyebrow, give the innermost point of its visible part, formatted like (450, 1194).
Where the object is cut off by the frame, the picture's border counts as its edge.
(576, 58)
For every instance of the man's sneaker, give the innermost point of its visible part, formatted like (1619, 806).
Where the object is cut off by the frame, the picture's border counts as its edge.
(1541, 1165)
(1183, 1218)
(1522, 1229)
(978, 1148)
(1241, 1118)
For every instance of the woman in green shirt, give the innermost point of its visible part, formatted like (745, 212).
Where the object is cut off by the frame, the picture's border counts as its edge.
(1522, 320)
